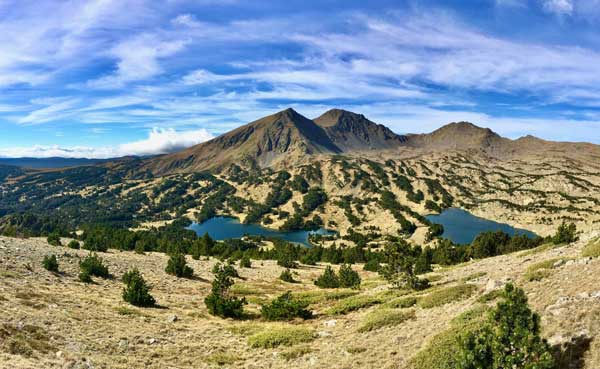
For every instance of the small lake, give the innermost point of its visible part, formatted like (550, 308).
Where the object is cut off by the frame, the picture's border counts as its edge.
(462, 227)
(221, 228)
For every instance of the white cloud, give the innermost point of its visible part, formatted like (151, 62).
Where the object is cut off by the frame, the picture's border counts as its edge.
(159, 141)
(559, 7)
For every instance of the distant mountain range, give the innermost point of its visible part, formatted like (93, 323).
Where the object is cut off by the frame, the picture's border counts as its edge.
(49, 163)
(287, 138)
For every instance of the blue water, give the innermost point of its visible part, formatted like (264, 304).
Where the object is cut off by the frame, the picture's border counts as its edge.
(221, 228)
(462, 227)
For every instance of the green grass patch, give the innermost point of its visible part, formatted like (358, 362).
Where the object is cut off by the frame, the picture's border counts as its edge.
(221, 358)
(385, 318)
(592, 249)
(353, 303)
(447, 295)
(541, 270)
(123, 310)
(401, 303)
(246, 329)
(240, 289)
(541, 248)
(474, 276)
(317, 297)
(295, 352)
(281, 336)
(490, 296)
(440, 351)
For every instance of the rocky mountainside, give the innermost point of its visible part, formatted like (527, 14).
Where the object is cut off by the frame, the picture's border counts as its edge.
(354, 132)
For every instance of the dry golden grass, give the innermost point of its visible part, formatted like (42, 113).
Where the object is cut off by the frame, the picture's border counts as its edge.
(372, 328)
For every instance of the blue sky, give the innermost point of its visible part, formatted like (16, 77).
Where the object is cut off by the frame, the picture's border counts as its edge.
(104, 78)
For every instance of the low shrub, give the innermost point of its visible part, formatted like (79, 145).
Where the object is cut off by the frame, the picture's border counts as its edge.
(537, 275)
(287, 276)
(93, 266)
(54, 239)
(136, 291)
(85, 277)
(328, 279)
(245, 262)
(178, 267)
(50, 263)
(281, 336)
(385, 318)
(74, 244)
(285, 307)
(317, 297)
(447, 295)
(401, 303)
(353, 303)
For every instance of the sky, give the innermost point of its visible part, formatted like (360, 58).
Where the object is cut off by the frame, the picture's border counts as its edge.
(107, 78)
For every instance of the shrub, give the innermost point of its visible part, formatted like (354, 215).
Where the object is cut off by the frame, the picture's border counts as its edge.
(401, 303)
(50, 263)
(281, 336)
(353, 303)
(510, 339)
(178, 267)
(372, 265)
(348, 277)
(93, 266)
(136, 291)
(285, 307)
(219, 302)
(566, 233)
(245, 262)
(287, 276)
(328, 279)
(54, 239)
(447, 295)
(385, 318)
(74, 244)
(228, 269)
(85, 277)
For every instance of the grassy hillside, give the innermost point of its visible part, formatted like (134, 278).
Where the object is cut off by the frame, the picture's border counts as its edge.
(53, 320)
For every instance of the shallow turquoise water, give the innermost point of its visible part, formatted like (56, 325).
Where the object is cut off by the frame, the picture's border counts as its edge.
(221, 228)
(462, 227)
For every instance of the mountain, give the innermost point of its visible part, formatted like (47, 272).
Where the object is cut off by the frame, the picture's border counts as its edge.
(353, 132)
(284, 136)
(460, 136)
(50, 163)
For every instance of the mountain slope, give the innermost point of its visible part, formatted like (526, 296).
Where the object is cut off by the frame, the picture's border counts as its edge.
(268, 141)
(353, 132)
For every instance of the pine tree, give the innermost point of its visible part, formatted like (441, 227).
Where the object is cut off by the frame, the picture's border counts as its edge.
(328, 279)
(511, 338)
(219, 302)
(348, 278)
(178, 267)
(136, 291)
(50, 263)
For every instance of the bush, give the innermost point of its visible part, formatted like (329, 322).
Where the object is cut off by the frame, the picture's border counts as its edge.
(348, 277)
(566, 233)
(93, 266)
(136, 291)
(281, 336)
(54, 239)
(245, 262)
(285, 307)
(219, 302)
(178, 267)
(287, 276)
(328, 279)
(85, 277)
(50, 263)
(372, 266)
(74, 244)
(510, 339)
(228, 269)
(447, 295)
(401, 303)
(385, 318)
